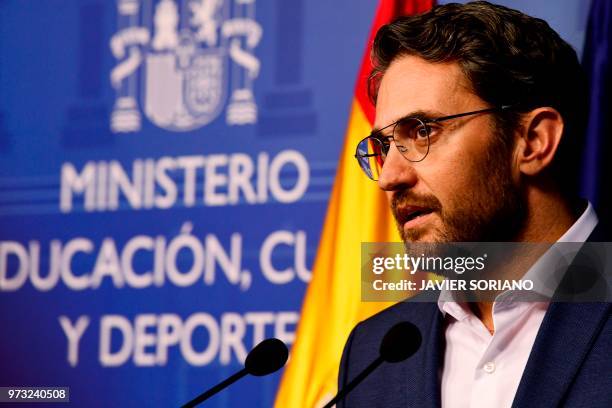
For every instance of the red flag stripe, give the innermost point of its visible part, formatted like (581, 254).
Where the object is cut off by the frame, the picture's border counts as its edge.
(387, 11)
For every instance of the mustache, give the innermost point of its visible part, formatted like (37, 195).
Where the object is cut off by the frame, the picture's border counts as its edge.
(404, 198)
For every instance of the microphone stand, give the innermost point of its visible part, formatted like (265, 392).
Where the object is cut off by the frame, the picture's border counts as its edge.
(207, 394)
(355, 381)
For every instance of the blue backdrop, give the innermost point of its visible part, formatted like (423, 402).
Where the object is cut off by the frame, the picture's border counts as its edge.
(164, 174)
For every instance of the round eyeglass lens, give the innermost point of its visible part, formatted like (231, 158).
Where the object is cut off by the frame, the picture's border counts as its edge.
(411, 138)
(371, 156)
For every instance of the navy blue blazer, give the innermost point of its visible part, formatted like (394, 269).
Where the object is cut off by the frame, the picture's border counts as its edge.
(570, 364)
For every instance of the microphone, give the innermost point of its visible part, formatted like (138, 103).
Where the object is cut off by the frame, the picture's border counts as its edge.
(399, 343)
(267, 357)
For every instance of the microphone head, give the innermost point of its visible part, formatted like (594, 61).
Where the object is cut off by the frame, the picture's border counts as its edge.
(267, 357)
(400, 342)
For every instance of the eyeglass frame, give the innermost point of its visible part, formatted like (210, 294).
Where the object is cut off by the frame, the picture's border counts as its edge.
(376, 135)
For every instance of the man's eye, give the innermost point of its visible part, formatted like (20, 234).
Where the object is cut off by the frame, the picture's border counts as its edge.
(421, 132)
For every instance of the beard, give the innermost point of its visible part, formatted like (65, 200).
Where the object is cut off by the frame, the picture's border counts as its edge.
(493, 210)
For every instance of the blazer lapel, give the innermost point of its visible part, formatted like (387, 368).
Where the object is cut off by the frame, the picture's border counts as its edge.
(429, 379)
(563, 341)
(419, 386)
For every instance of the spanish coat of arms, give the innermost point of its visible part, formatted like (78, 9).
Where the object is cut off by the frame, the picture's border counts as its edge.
(178, 60)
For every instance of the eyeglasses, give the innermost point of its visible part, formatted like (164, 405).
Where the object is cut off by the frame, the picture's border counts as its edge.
(412, 139)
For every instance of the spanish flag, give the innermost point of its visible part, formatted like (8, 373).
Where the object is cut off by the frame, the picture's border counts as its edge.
(358, 212)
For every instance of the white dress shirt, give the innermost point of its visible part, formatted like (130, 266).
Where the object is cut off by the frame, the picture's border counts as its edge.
(484, 370)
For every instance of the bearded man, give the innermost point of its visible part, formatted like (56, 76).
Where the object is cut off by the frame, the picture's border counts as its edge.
(480, 116)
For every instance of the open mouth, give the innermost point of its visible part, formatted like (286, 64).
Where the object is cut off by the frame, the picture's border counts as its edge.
(411, 216)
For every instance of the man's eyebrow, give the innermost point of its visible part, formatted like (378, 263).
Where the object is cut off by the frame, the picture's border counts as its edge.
(420, 114)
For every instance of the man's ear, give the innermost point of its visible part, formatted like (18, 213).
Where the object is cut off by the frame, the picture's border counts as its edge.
(541, 134)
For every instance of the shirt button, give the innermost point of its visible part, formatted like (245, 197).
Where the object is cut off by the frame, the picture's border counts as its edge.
(489, 367)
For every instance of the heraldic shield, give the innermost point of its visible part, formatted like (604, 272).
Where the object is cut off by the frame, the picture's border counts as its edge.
(184, 82)
(174, 59)
(182, 98)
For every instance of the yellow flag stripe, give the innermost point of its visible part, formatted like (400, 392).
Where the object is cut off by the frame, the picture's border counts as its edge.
(358, 211)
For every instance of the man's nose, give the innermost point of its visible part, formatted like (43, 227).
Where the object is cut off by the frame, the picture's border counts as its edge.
(398, 173)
